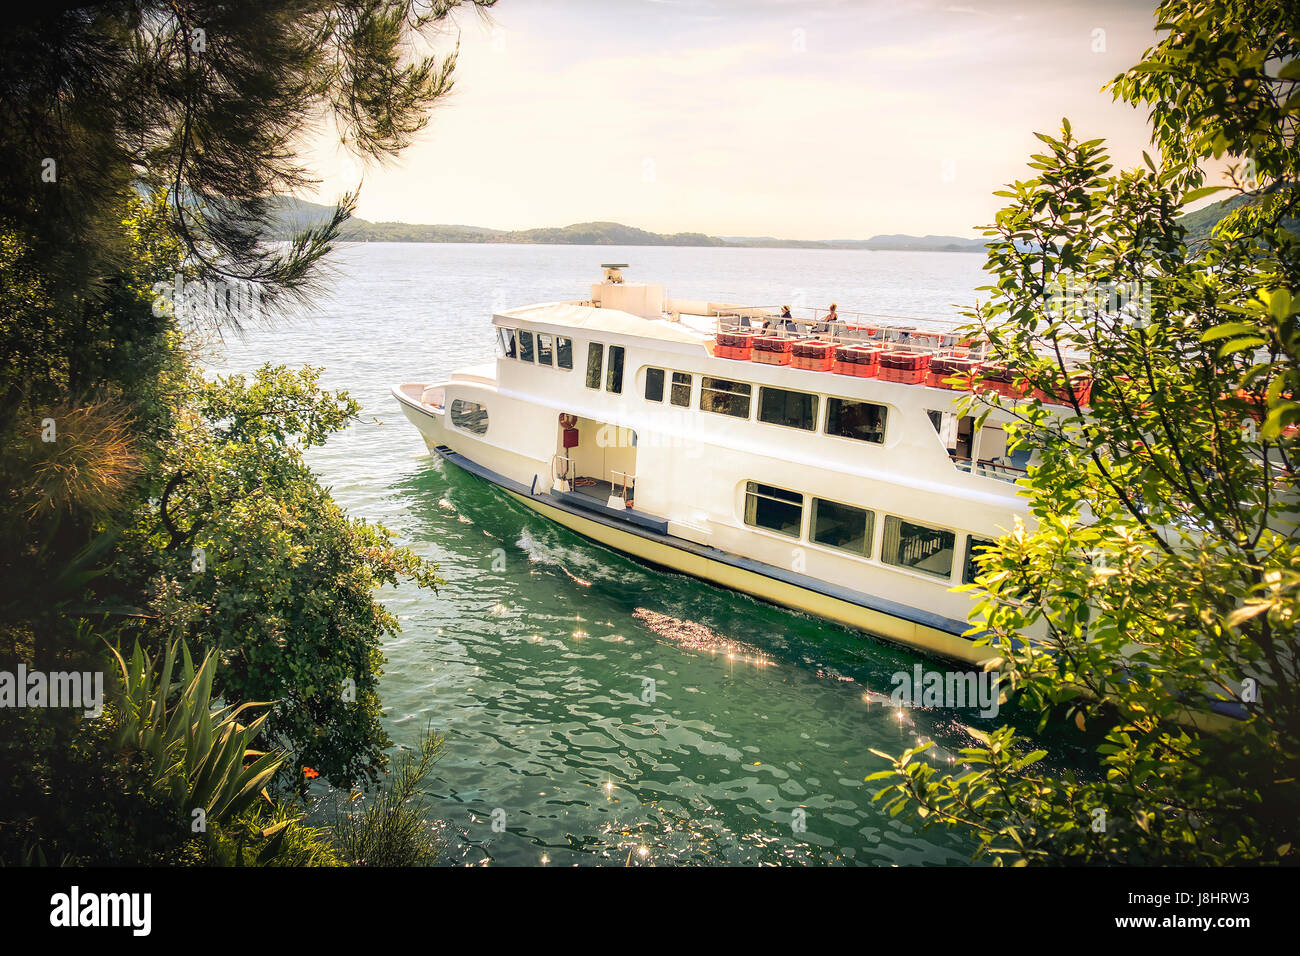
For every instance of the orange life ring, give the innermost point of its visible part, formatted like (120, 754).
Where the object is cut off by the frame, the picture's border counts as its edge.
(568, 421)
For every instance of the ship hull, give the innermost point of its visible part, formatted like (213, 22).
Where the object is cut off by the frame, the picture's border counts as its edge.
(913, 628)
(756, 584)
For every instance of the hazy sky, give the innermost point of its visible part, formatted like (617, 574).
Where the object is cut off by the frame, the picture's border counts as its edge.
(810, 119)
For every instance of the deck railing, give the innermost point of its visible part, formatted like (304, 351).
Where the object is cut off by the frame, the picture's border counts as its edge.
(893, 332)
(989, 468)
(561, 468)
(849, 328)
(628, 483)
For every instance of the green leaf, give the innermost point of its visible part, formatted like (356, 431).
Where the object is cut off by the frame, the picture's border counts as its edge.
(1279, 304)
(1201, 193)
(1240, 345)
(1243, 614)
(1032, 758)
(1230, 329)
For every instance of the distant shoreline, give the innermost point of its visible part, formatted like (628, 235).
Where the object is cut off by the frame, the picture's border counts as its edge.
(295, 215)
(349, 241)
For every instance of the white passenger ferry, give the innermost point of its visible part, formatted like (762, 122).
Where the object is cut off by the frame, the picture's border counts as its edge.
(809, 459)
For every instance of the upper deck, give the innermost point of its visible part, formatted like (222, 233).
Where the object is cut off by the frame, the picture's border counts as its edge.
(909, 350)
(698, 322)
(658, 365)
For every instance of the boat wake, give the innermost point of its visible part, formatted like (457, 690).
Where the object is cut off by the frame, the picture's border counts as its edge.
(549, 556)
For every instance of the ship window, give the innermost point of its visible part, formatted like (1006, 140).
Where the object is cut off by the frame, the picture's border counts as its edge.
(724, 397)
(777, 406)
(595, 359)
(507, 340)
(614, 373)
(974, 548)
(842, 526)
(773, 508)
(470, 416)
(525, 346)
(654, 385)
(681, 393)
(908, 545)
(955, 433)
(564, 352)
(545, 348)
(862, 421)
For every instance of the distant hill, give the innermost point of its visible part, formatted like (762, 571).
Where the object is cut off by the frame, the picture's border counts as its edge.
(295, 214)
(906, 243)
(1198, 224)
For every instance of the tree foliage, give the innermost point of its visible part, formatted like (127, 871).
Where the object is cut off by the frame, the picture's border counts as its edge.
(251, 558)
(205, 102)
(143, 145)
(1153, 600)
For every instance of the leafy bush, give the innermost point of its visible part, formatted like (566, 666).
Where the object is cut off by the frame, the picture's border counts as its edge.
(284, 590)
(70, 797)
(168, 165)
(392, 829)
(197, 756)
(1158, 588)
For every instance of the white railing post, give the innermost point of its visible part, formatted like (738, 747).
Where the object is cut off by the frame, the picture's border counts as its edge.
(561, 479)
(623, 501)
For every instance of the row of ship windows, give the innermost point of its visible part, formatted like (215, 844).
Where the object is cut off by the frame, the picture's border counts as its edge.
(545, 349)
(557, 351)
(842, 527)
(832, 524)
(845, 417)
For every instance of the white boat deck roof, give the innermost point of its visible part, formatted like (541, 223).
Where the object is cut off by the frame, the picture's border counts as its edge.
(577, 316)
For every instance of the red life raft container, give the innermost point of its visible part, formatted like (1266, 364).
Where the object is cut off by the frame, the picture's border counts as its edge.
(908, 368)
(735, 345)
(944, 370)
(862, 361)
(771, 350)
(1080, 388)
(1000, 379)
(813, 355)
